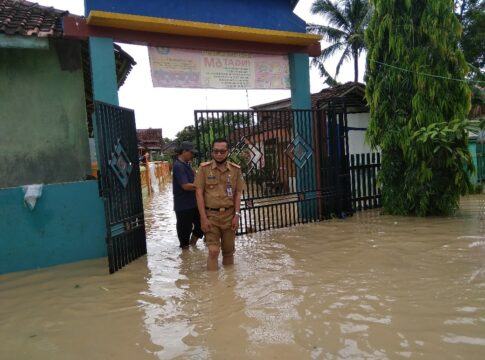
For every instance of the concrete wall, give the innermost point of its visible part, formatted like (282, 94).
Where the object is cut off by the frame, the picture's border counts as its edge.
(357, 144)
(66, 225)
(43, 131)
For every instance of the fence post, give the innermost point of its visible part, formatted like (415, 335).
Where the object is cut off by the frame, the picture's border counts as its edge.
(357, 182)
(352, 175)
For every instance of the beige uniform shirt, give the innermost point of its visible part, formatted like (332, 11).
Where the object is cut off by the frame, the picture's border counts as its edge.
(215, 183)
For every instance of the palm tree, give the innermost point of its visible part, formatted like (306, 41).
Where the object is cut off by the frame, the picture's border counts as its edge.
(347, 21)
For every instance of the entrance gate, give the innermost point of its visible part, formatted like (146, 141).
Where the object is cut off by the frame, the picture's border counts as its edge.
(295, 163)
(119, 182)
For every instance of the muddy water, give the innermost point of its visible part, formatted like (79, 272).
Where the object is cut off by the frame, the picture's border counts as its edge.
(371, 286)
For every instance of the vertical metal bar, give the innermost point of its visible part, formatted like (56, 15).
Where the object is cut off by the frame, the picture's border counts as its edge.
(352, 176)
(364, 181)
(379, 199)
(369, 181)
(197, 138)
(358, 178)
(373, 180)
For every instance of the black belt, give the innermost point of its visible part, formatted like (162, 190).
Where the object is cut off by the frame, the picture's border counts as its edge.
(218, 209)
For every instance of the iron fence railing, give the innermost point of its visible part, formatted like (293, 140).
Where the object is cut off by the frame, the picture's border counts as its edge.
(366, 193)
(294, 162)
(119, 182)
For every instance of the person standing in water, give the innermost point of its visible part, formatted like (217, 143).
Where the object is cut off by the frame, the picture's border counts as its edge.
(219, 186)
(188, 219)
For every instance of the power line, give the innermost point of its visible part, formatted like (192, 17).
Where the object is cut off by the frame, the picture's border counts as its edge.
(426, 74)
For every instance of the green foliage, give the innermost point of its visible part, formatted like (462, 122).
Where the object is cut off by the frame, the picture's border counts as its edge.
(347, 20)
(471, 13)
(166, 141)
(186, 134)
(216, 126)
(418, 121)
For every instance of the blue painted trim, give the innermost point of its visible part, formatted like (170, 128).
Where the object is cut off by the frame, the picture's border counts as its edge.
(103, 70)
(261, 14)
(66, 225)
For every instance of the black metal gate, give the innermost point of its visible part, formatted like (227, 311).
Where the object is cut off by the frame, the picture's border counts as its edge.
(295, 163)
(119, 181)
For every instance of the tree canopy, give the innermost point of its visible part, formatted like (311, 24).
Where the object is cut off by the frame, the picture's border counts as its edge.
(419, 102)
(347, 21)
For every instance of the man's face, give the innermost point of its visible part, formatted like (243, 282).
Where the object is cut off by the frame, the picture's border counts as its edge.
(187, 155)
(220, 152)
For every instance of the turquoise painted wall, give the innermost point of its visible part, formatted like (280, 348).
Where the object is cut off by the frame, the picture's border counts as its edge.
(66, 225)
(43, 130)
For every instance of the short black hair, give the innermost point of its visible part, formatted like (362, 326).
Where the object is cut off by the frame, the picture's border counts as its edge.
(220, 140)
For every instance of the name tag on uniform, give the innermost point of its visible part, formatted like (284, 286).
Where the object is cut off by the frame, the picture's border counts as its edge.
(211, 177)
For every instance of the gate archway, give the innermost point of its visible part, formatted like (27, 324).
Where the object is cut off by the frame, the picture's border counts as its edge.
(221, 25)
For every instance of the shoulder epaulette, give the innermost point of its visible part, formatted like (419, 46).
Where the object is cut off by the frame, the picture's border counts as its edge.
(206, 163)
(235, 165)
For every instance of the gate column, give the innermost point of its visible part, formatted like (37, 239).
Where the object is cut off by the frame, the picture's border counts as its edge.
(103, 70)
(105, 89)
(300, 81)
(303, 127)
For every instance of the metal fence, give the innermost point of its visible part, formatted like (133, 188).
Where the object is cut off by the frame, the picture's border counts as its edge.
(363, 172)
(294, 162)
(119, 182)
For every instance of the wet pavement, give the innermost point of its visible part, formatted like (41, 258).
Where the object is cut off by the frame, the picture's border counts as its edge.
(367, 287)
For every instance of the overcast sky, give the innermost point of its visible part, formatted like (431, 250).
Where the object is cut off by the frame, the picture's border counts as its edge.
(172, 109)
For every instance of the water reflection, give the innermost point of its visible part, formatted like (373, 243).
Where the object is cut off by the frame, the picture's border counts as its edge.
(370, 286)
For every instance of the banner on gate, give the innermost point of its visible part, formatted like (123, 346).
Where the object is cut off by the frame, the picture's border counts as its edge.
(177, 68)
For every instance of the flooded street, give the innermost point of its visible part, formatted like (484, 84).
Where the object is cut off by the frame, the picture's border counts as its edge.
(368, 287)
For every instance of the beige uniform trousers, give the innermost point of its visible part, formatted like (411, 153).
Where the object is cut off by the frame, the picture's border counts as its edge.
(221, 233)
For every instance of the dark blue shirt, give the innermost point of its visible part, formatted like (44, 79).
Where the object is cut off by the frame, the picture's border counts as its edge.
(182, 174)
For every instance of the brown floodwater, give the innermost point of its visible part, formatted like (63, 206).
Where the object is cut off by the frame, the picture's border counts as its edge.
(367, 287)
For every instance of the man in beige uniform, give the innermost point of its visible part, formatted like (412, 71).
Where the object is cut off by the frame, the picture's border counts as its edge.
(219, 185)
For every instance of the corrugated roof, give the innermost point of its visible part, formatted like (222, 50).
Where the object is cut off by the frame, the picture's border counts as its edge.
(334, 92)
(19, 17)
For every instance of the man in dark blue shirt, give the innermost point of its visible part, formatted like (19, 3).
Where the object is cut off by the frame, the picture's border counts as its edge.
(185, 206)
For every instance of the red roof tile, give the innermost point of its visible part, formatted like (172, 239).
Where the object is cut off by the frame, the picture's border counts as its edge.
(149, 138)
(19, 17)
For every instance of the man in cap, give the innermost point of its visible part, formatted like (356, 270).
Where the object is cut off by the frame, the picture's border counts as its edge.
(188, 219)
(219, 186)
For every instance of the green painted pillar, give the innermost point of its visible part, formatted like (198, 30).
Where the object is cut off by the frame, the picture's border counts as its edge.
(303, 134)
(300, 81)
(103, 70)
(103, 74)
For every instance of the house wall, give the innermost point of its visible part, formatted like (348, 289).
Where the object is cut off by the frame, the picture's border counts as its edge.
(43, 131)
(66, 225)
(357, 144)
(44, 139)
